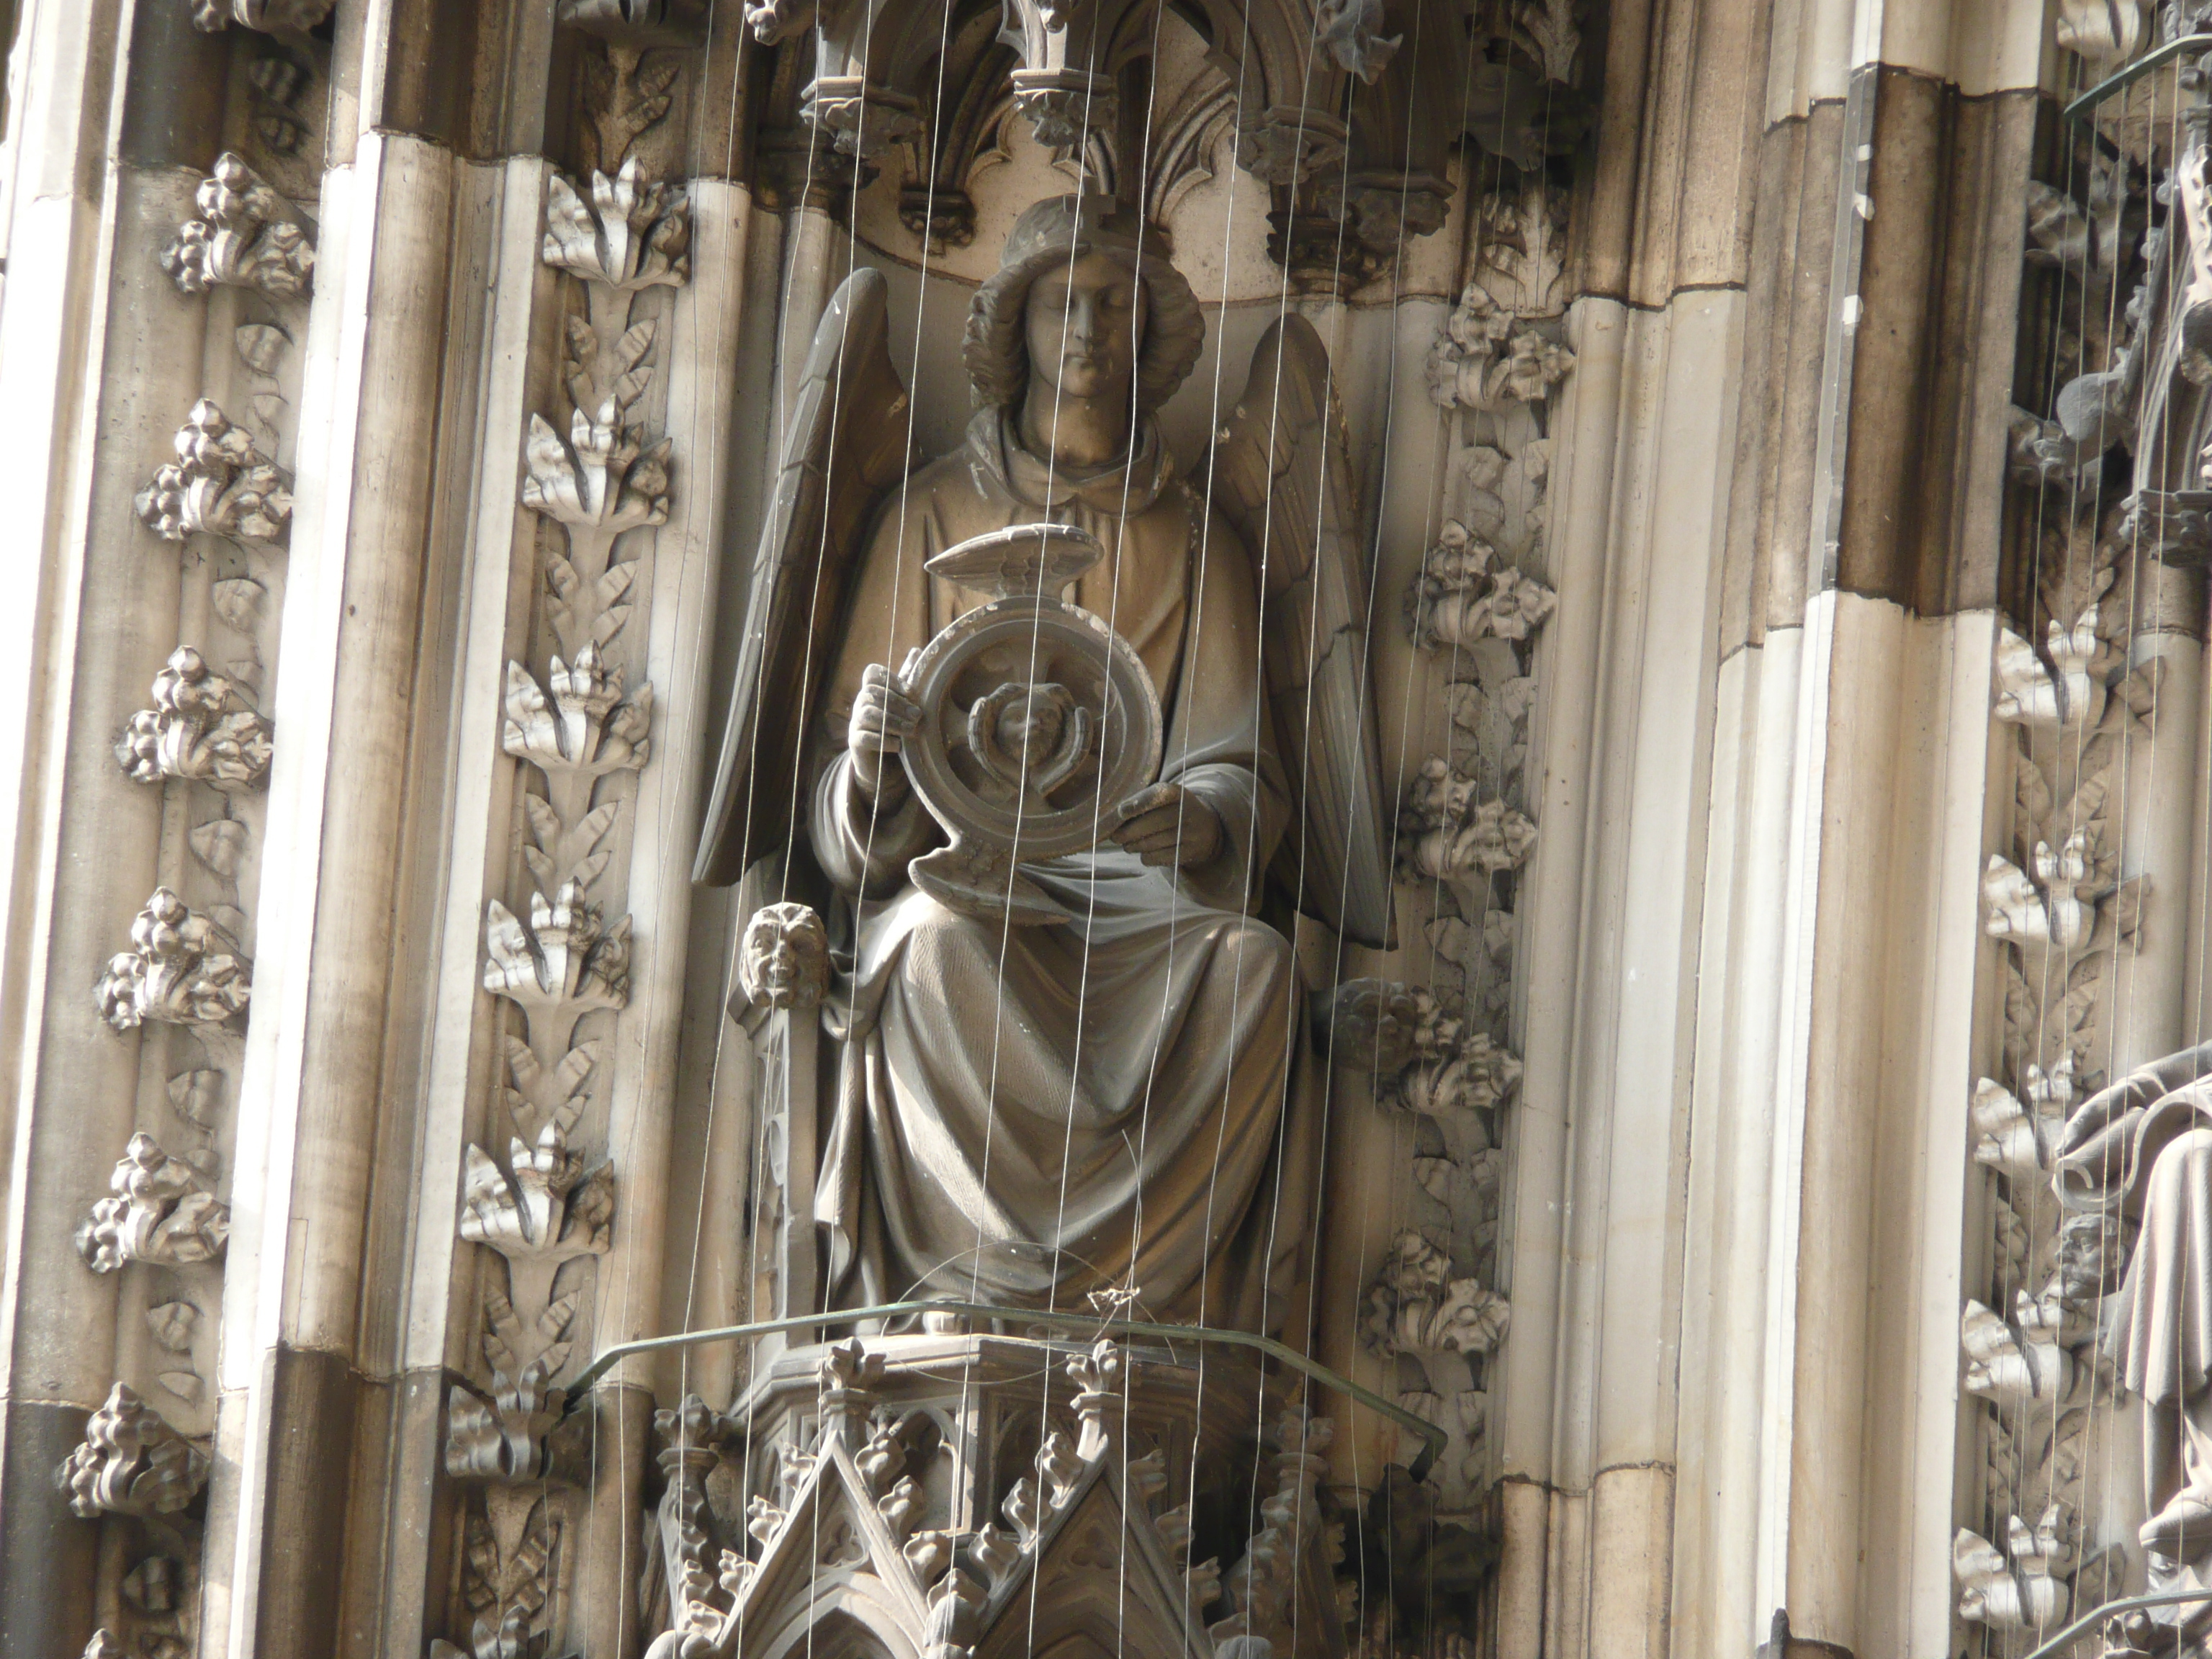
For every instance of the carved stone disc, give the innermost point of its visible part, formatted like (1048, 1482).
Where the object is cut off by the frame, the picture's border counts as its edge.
(1037, 721)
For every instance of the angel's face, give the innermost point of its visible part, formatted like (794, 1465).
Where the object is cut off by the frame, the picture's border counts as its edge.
(1083, 324)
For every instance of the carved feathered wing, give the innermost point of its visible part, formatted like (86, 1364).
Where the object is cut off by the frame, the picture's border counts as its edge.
(847, 443)
(1282, 479)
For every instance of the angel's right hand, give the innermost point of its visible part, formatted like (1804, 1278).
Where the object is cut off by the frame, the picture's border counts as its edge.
(883, 717)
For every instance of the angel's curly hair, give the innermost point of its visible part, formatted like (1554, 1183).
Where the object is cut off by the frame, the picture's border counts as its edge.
(1052, 233)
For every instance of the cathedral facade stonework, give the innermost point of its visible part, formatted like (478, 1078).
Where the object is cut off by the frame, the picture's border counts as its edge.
(1107, 829)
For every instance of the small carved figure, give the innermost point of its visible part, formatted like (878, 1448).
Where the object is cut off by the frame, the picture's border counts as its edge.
(784, 960)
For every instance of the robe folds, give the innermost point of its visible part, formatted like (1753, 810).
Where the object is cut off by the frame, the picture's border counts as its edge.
(1022, 1115)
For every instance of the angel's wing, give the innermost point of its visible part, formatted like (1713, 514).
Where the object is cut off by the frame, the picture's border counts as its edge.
(846, 442)
(1282, 479)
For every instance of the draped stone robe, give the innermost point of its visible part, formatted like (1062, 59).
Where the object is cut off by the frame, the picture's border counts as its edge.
(2159, 1144)
(1023, 1113)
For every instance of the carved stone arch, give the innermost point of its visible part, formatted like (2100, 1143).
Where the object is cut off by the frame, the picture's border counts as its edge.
(966, 95)
(844, 1623)
(1187, 137)
(1102, 1585)
(1265, 46)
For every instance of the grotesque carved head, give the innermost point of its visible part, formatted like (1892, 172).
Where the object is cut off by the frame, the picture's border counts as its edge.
(1099, 257)
(784, 961)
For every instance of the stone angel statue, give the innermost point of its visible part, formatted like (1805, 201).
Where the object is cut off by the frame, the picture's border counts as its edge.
(1021, 1113)
(2140, 1150)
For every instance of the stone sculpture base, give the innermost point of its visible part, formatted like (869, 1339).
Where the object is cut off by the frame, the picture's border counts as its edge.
(961, 1494)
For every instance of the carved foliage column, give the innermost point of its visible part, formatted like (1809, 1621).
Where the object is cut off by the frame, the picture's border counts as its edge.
(1442, 1051)
(183, 980)
(578, 716)
(2096, 753)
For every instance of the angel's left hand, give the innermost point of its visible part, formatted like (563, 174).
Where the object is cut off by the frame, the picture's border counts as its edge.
(1169, 824)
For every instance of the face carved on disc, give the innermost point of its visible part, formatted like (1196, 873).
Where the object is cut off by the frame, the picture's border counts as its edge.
(1032, 738)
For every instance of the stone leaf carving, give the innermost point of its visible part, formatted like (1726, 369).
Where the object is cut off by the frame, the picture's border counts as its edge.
(563, 960)
(159, 1211)
(556, 852)
(502, 1434)
(783, 960)
(1464, 1416)
(1351, 32)
(1486, 356)
(584, 728)
(509, 1548)
(1466, 592)
(219, 483)
(2029, 1591)
(247, 236)
(1415, 1305)
(132, 1463)
(2103, 31)
(2016, 1138)
(182, 970)
(2058, 904)
(199, 728)
(212, 17)
(551, 1209)
(1520, 264)
(1068, 111)
(1445, 834)
(601, 478)
(2009, 1366)
(2030, 694)
(631, 234)
(1425, 1059)
(1548, 30)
